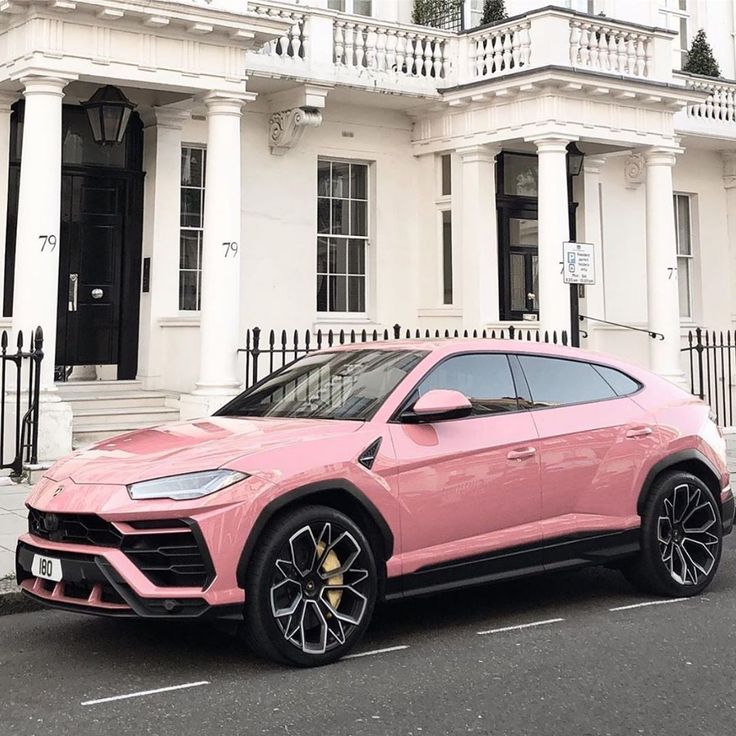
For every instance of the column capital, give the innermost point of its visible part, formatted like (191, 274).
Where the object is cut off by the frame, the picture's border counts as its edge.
(662, 155)
(227, 103)
(41, 84)
(551, 143)
(593, 164)
(171, 118)
(480, 153)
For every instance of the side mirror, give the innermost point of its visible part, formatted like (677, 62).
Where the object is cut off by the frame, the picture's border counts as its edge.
(437, 405)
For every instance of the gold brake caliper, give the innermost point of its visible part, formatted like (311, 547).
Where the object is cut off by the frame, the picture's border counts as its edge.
(332, 562)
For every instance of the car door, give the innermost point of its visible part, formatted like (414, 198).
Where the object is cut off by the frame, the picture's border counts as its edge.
(594, 440)
(468, 487)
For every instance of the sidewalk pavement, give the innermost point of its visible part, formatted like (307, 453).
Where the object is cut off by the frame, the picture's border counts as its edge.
(13, 513)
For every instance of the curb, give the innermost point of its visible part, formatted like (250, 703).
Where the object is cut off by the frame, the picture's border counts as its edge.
(12, 599)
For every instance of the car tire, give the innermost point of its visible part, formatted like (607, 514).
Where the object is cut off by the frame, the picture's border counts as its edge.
(681, 538)
(311, 588)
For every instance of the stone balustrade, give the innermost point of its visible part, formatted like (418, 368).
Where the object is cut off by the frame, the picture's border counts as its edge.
(338, 48)
(715, 115)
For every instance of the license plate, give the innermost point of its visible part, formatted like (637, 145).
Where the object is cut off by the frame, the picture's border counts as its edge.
(47, 568)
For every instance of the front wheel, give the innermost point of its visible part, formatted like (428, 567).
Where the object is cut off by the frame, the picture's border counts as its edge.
(681, 538)
(311, 588)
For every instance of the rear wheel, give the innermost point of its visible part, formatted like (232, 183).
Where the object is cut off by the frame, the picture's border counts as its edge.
(311, 588)
(681, 538)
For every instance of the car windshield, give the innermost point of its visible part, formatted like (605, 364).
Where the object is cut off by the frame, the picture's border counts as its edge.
(348, 384)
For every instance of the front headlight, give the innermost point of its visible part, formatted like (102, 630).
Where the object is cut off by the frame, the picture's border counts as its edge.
(185, 487)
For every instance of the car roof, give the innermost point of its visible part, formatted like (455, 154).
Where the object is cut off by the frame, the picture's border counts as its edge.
(447, 346)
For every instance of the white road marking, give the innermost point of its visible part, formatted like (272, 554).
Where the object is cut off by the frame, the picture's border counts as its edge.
(521, 626)
(648, 603)
(146, 692)
(376, 651)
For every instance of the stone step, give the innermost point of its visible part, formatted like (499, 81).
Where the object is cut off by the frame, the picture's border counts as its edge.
(129, 399)
(124, 418)
(87, 387)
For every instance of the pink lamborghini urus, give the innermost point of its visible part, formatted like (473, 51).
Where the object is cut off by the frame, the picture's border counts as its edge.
(382, 471)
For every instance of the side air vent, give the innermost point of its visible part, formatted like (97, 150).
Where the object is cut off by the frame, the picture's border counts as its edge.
(368, 456)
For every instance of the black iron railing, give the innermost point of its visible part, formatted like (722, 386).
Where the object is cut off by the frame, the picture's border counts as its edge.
(20, 380)
(267, 352)
(711, 357)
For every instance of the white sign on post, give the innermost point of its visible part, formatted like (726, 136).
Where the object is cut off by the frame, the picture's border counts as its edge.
(578, 263)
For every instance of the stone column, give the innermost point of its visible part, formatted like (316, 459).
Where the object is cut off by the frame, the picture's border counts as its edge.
(6, 101)
(729, 184)
(479, 242)
(662, 295)
(162, 164)
(595, 297)
(37, 246)
(219, 374)
(554, 230)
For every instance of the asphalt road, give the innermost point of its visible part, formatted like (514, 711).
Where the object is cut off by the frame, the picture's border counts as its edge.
(582, 669)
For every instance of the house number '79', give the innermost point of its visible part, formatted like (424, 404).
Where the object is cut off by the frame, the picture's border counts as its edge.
(231, 248)
(48, 242)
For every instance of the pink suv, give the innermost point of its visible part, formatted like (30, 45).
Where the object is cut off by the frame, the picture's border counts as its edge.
(382, 471)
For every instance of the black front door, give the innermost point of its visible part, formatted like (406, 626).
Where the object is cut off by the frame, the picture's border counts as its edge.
(90, 269)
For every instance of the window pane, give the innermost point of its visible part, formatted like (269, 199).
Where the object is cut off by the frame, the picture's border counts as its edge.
(336, 4)
(684, 246)
(356, 259)
(362, 7)
(323, 178)
(192, 167)
(323, 215)
(523, 232)
(338, 255)
(484, 379)
(189, 249)
(356, 293)
(358, 181)
(340, 179)
(446, 175)
(321, 293)
(339, 216)
(555, 382)
(619, 382)
(338, 297)
(520, 175)
(191, 208)
(188, 290)
(683, 286)
(359, 218)
(518, 282)
(447, 257)
(321, 255)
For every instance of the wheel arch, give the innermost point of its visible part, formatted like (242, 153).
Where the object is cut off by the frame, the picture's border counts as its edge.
(691, 461)
(340, 494)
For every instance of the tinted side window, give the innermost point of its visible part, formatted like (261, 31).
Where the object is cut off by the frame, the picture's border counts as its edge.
(485, 379)
(619, 382)
(556, 382)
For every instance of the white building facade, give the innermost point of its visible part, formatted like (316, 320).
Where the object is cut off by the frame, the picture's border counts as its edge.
(329, 165)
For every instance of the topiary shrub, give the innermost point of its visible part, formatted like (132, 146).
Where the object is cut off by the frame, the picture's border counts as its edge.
(700, 59)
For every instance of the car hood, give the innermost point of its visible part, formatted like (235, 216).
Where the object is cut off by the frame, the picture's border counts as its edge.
(187, 447)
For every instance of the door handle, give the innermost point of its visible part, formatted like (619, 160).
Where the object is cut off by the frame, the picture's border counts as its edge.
(638, 432)
(523, 453)
(97, 293)
(73, 291)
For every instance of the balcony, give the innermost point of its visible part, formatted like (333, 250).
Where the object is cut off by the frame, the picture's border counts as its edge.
(333, 48)
(715, 116)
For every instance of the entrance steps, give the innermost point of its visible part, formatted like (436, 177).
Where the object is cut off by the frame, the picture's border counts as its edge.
(102, 409)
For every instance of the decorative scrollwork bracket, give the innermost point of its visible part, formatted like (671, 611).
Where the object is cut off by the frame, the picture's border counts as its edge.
(286, 128)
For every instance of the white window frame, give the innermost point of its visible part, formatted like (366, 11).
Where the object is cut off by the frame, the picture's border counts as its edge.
(187, 228)
(673, 15)
(348, 6)
(443, 203)
(687, 259)
(328, 316)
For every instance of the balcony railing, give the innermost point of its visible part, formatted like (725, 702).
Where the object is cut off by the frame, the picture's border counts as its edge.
(715, 115)
(347, 49)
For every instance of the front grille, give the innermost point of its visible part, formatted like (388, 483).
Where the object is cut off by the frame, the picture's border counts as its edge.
(176, 556)
(168, 559)
(73, 528)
